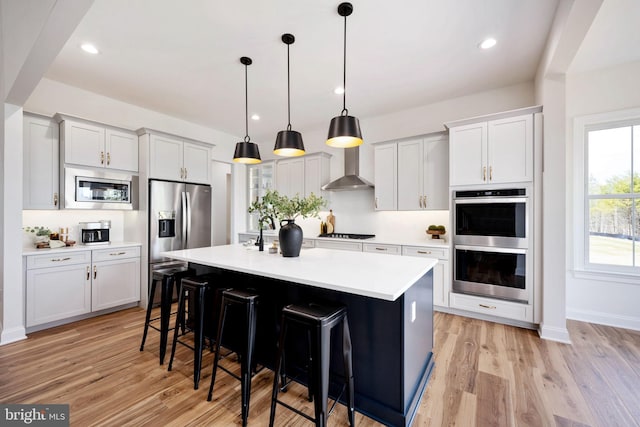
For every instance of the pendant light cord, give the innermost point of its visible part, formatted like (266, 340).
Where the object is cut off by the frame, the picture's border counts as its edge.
(288, 92)
(247, 138)
(344, 72)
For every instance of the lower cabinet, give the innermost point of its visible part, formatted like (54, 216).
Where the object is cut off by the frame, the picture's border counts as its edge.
(441, 272)
(342, 245)
(64, 285)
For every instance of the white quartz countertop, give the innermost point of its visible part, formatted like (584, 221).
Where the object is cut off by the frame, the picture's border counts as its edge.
(425, 241)
(75, 248)
(360, 273)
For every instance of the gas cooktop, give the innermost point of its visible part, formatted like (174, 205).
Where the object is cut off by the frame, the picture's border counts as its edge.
(348, 236)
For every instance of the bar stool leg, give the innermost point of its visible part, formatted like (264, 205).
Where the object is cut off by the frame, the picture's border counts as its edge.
(179, 321)
(165, 314)
(223, 313)
(198, 331)
(278, 374)
(152, 293)
(245, 366)
(322, 350)
(348, 370)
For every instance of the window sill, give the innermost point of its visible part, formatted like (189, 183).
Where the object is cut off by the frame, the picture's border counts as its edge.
(607, 276)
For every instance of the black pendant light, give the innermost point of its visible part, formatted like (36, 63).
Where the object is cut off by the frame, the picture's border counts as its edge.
(288, 142)
(344, 130)
(246, 151)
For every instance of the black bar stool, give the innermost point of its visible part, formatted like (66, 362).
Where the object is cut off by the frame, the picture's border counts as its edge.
(168, 277)
(318, 320)
(204, 300)
(246, 300)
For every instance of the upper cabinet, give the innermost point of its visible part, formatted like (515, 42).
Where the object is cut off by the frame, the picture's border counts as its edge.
(492, 151)
(92, 144)
(40, 163)
(303, 175)
(423, 174)
(178, 159)
(316, 173)
(413, 174)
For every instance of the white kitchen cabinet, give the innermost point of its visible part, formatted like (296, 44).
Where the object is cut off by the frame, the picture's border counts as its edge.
(423, 174)
(386, 177)
(492, 307)
(260, 179)
(92, 144)
(441, 271)
(379, 248)
(115, 277)
(316, 173)
(58, 286)
(40, 170)
(343, 245)
(177, 159)
(62, 285)
(492, 152)
(290, 176)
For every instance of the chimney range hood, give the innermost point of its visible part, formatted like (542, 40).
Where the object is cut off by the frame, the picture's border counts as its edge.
(351, 180)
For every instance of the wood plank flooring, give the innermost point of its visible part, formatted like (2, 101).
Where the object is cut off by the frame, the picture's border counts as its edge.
(486, 374)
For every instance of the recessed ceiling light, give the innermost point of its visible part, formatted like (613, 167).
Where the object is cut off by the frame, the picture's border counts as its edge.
(488, 43)
(339, 90)
(89, 48)
(255, 117)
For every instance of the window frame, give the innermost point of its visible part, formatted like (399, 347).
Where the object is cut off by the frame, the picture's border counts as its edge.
(581, 127)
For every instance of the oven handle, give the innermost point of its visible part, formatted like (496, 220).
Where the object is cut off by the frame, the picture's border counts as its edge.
(485, 200)
(491, 249)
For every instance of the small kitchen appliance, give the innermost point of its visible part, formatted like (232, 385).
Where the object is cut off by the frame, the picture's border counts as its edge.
(95, 233)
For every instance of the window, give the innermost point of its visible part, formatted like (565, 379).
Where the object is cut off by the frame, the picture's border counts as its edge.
(611, 202)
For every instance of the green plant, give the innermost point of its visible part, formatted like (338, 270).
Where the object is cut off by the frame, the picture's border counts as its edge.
(37, 230)
(437, 228)
(265, 209)
(274, 204)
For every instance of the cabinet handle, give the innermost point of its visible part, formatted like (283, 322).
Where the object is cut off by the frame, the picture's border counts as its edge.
(424, 252)
(60, 259)
(381, 249)
(181, 173)
(424, 202)
(185, 173)
(484, 173)
(117, 253)
(95, 271)
(108, 159)
(490, 173)
(376, 202)
(491, 307)
(102, 157)
(55, 199)
(88, 273)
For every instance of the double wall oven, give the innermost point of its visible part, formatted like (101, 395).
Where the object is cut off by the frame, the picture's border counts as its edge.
(492, 235)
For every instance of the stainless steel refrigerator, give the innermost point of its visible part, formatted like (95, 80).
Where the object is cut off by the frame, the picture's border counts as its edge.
(179, 218)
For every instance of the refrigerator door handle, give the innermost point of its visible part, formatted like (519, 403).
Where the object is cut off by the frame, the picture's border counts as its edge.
(185, 214)
(188, 219)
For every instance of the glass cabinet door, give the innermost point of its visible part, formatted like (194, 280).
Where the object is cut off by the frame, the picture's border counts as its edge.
(259, 179)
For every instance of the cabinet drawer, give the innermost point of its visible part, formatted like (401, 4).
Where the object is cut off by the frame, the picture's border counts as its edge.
(382, 249)
(341, 245)
(113, 254)
(492, 307)
(58, 259)
(442, 253)
(308, 243)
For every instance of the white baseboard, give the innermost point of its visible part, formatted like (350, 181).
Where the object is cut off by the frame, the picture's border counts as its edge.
(554, 333)
(12, 335)
(602, 318)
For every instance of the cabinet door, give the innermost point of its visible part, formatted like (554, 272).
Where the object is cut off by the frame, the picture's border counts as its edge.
(197, 163)
(468, 154)
(436, 174)
(385, 176)
(510, 155)
(441, 284)
(410, 175)
(121, 150)
(290, 177)
(83, 144)
(57, 293)
(165, 158)
(115, 283)
(40, 163)
(316, 174)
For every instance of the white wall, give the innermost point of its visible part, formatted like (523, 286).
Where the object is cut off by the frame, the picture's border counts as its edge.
(600, 301)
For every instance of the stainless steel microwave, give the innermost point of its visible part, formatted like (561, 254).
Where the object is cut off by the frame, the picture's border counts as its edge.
(95, 189)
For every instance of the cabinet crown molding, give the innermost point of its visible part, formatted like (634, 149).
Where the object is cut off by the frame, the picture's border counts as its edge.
(144, 131)
(495, 116)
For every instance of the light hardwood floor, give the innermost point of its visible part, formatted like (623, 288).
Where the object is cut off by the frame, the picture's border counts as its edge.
(486, 374)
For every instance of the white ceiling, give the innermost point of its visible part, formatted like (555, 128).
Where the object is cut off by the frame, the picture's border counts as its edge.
(182, 58)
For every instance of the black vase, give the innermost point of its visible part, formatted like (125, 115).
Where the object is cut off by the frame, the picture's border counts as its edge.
(290, 237)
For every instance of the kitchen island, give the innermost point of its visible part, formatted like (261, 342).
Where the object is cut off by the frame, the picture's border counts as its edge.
(390, 308)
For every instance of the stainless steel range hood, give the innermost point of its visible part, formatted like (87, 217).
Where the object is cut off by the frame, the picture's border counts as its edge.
(351, 179)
